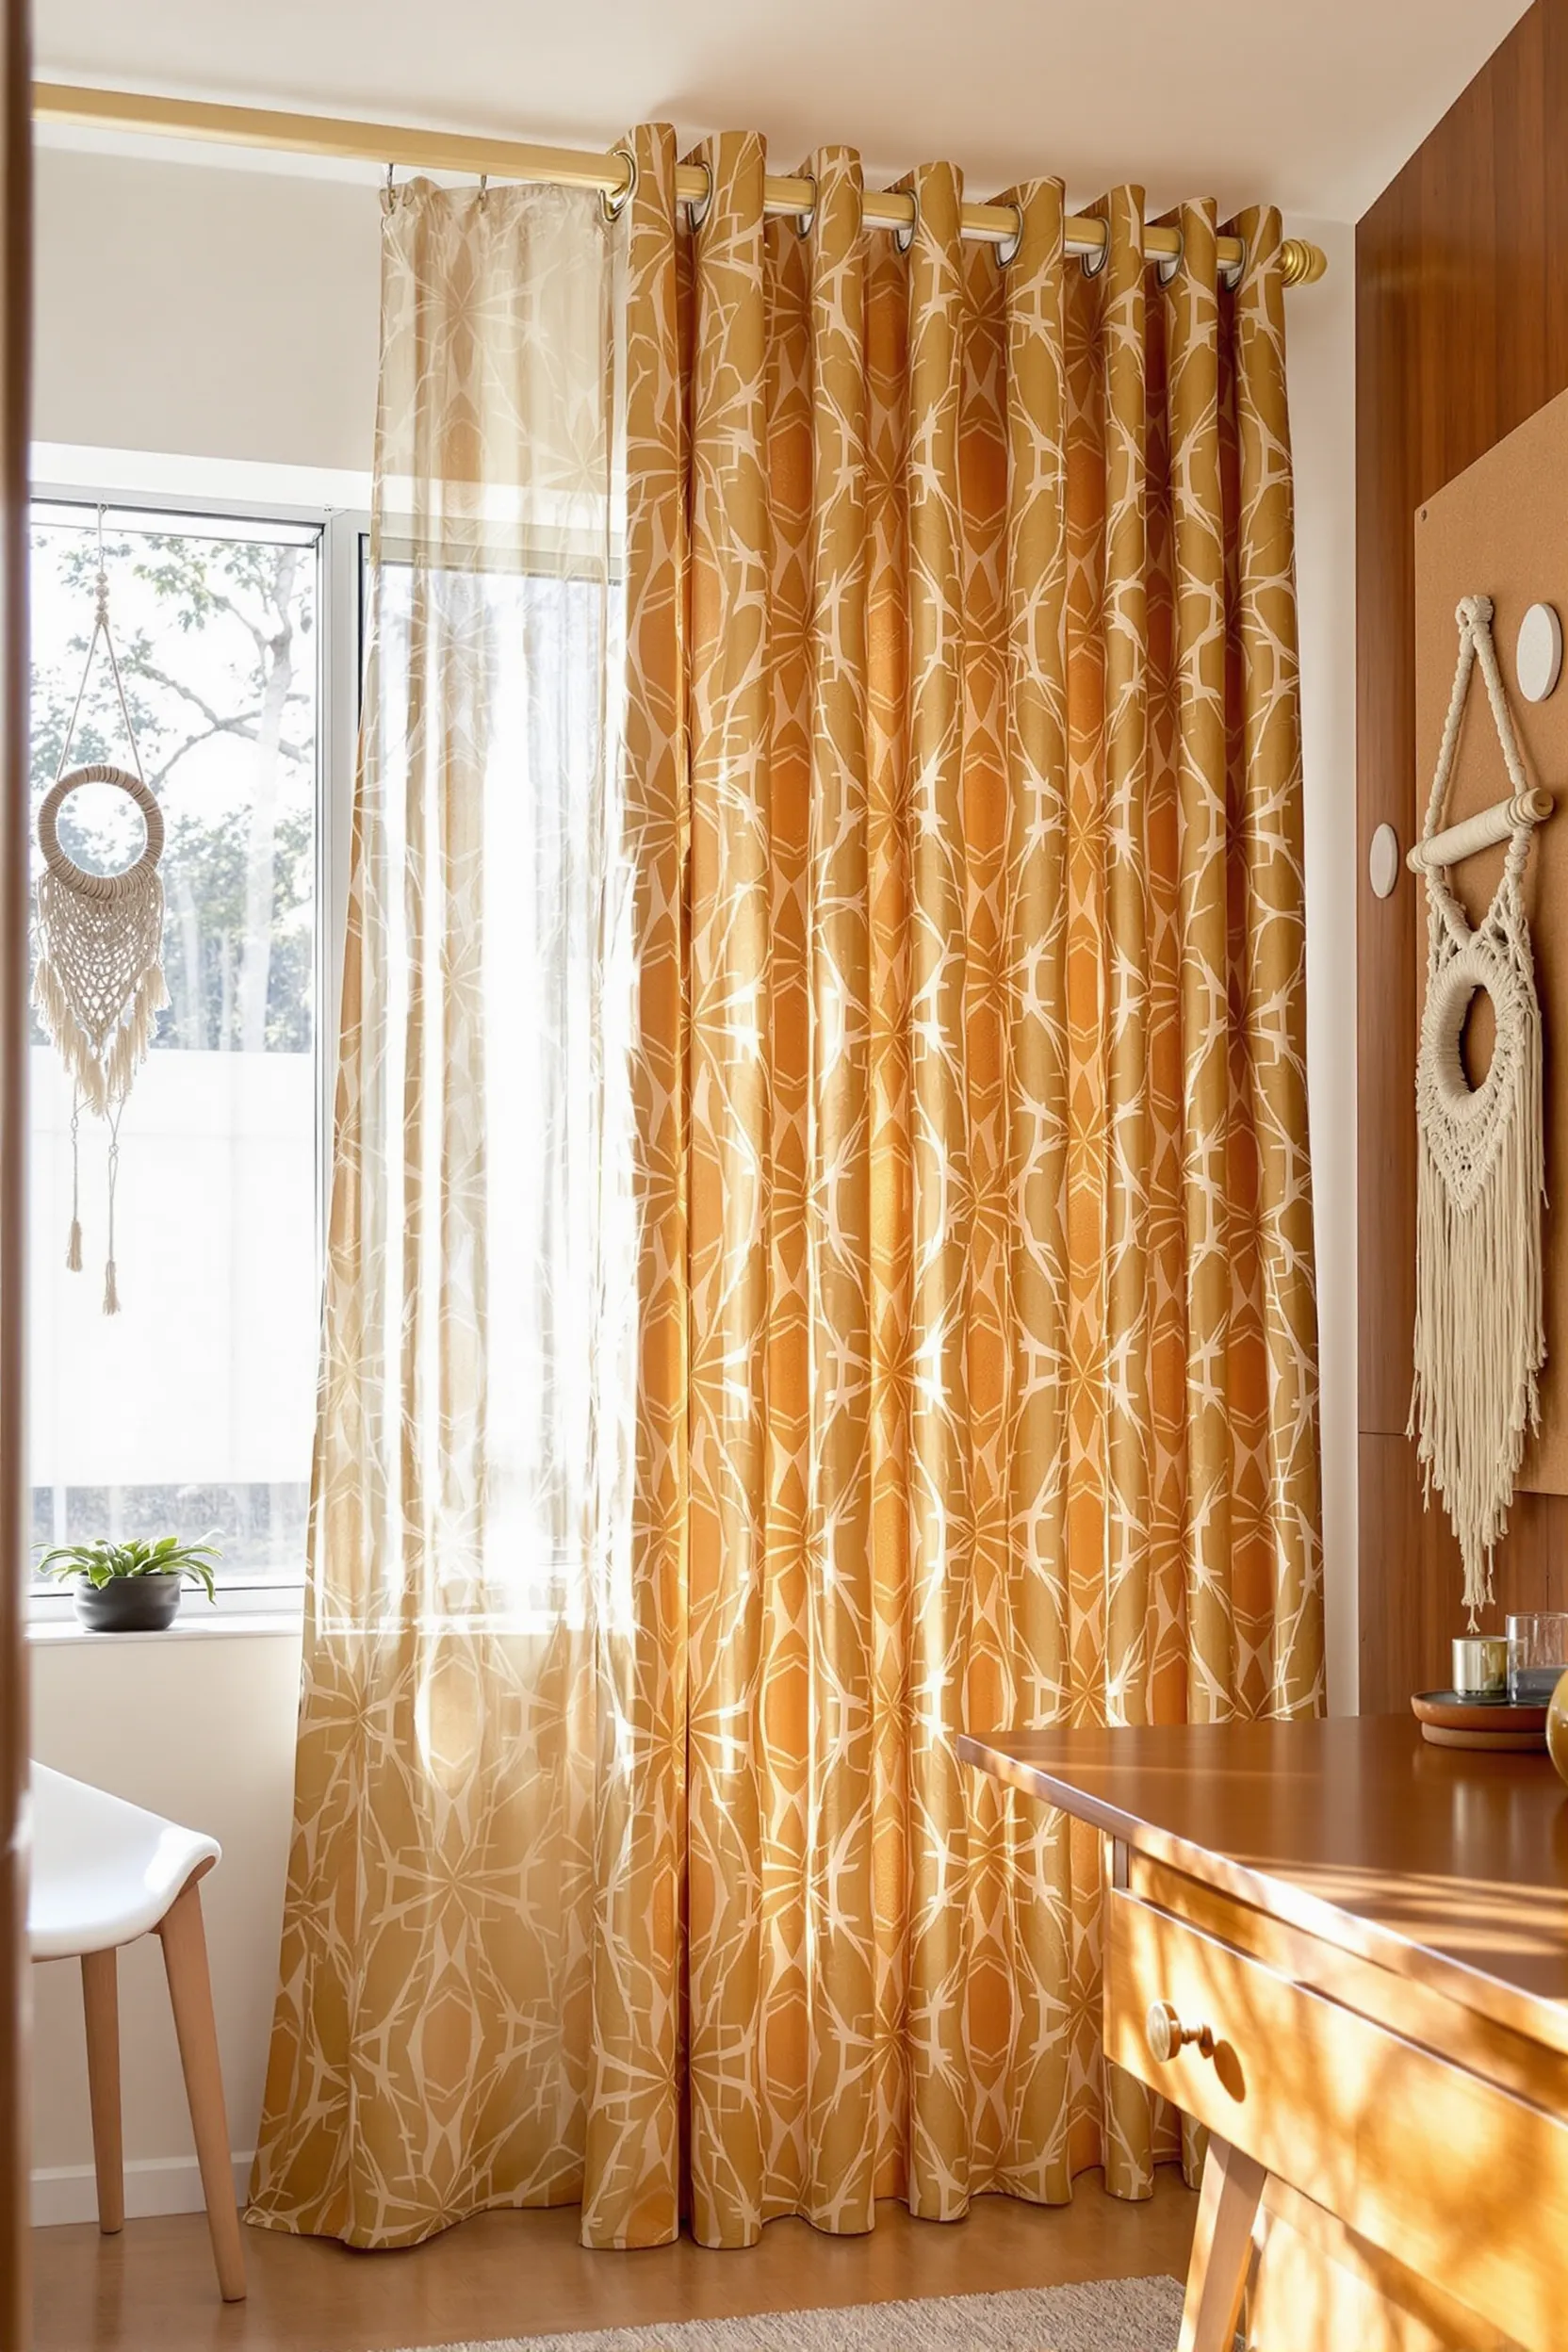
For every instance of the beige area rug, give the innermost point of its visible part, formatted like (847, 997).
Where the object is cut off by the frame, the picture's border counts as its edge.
(1109, 2315)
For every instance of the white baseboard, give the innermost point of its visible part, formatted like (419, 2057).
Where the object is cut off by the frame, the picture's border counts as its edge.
(154, 2184)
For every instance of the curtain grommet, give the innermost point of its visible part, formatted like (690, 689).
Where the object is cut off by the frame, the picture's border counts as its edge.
(1092, 263)
(903, 238)
(1168, 270)
(806, 221)
(1005, 251)
(697, 214)
(613, 201)
(1230, 279)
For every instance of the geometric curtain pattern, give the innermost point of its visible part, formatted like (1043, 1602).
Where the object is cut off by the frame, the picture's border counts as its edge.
(978, 1376)
(972, 1374)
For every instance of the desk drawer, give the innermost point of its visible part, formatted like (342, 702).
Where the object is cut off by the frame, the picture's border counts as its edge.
(1455, 2176)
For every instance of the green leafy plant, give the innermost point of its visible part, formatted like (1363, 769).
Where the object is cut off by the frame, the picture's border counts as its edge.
(103, 1563)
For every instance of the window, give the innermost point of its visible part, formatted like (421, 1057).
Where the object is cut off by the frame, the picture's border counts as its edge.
(193, 1407)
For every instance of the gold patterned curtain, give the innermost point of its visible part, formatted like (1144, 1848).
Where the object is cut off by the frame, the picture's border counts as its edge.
(978, 1367)
(949, 1275)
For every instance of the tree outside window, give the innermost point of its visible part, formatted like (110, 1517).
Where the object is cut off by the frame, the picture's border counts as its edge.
(195, 1403)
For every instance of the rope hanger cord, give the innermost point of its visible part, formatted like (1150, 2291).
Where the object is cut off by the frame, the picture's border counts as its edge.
(1474, 616)
(98, 982)
(1479, 1338)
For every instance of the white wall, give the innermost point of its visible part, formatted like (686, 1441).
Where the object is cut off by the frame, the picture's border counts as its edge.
(201, 1729)
(230, 316)
(188, 308)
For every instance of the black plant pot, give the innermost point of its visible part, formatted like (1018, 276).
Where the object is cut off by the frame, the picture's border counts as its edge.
(130, 1603)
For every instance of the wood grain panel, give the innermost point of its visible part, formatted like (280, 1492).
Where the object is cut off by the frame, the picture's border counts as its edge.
(150, 2289)
(1446, 1868)
(1318, 2283)
(15, 345)
(1496, 531)
(1402, 1633)
(1462, 333)
(1410, 1574)
(1457, 2179)
(1414, 2011)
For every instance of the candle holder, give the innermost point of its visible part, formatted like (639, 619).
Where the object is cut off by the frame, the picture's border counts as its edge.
(1480, 1666)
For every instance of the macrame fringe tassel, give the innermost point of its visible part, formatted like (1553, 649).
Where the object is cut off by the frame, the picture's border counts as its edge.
(1479, 1343)
(103, 1077)
(111, 1287)
(100, 1078)
(73, 1246)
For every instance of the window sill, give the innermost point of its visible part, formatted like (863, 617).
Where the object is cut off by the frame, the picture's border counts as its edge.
(220, 1625)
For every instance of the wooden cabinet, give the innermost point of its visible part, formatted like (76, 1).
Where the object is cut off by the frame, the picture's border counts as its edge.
(1462, 333)
(1346, 1955)
(1417, 2153)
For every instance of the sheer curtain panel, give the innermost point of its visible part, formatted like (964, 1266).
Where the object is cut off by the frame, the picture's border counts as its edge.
(430, 2046)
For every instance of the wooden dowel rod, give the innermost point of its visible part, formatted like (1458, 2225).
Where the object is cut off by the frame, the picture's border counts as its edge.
(1480, 831)
(185, 1963)
(101, 2008)
(145, 114)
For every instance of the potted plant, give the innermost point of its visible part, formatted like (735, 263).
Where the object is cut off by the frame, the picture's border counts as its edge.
(133, 1588)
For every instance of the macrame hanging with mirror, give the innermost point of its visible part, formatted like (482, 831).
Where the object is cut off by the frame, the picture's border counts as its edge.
(1479, 1327)
(98, 983)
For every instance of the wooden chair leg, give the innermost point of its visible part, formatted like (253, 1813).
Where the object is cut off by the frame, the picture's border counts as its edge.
(1221, 2249)
(101, 2006)
(184, 1960)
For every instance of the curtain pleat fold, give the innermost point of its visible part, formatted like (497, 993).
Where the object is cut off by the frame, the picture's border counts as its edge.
(632, 2166)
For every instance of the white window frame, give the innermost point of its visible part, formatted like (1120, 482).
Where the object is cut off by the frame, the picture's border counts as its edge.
(275, 1606)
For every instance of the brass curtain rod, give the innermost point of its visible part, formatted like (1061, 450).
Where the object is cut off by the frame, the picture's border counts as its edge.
(145, 114)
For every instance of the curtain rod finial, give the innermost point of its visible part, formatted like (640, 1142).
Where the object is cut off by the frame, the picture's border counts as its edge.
(1303, 264)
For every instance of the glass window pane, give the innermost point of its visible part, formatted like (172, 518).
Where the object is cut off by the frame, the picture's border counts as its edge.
(193, 1407)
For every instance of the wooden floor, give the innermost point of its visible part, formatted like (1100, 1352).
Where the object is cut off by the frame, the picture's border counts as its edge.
(152, 2289)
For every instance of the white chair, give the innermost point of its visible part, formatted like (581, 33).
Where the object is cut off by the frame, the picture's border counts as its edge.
(104, 1873)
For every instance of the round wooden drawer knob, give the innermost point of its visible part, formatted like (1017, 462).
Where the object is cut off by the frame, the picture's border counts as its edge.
(1167, 2034)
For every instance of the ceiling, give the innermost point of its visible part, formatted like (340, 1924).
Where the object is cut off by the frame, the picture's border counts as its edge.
(1311, 104)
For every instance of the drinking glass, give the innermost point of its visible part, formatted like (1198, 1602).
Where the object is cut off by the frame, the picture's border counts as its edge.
(1537, 1656)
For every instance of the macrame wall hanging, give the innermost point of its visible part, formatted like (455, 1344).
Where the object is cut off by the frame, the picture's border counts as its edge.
(1479, 1333)
(98, 937)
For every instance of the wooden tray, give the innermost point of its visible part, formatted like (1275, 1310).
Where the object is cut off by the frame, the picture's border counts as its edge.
(1449, 1722)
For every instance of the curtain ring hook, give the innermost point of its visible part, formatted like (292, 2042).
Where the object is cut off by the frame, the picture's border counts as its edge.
(806, 221)
(483, 190)
(697, 214)
(1092, 263)
(614, 201)
(904, 237)
(388, 194)
(1230, 279)
(1006, 250)
(1168, 268)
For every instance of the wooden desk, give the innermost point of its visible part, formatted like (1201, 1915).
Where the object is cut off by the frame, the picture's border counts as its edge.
(1345, 1953)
